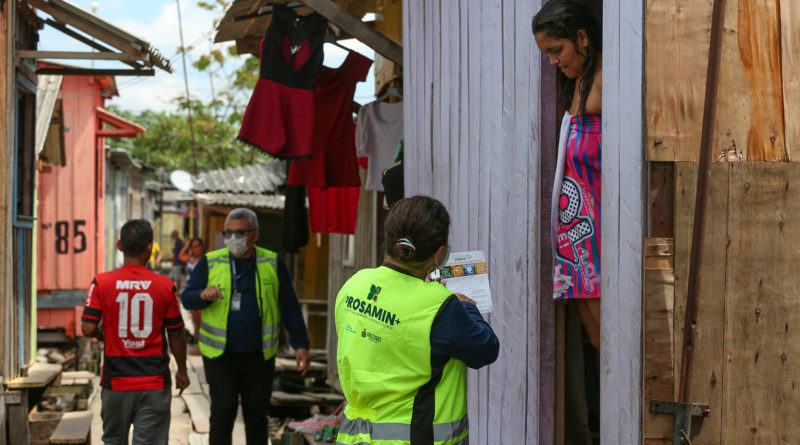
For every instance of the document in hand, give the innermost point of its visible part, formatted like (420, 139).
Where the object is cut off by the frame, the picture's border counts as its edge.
(468, 273)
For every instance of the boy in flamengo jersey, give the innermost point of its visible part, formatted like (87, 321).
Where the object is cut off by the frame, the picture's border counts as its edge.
(136, 306)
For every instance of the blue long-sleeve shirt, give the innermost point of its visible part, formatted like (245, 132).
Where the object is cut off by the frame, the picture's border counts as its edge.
(244, 325)
(459, 331)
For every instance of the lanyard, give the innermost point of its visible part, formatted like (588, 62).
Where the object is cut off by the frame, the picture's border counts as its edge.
(236, 277)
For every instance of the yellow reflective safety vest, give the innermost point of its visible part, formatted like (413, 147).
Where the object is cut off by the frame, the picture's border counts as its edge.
(394, 396)
(214, 325)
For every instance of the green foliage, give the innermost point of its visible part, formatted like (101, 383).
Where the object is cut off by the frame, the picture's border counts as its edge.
(167, 142)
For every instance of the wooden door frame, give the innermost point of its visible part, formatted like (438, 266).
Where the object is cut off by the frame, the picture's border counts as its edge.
(623, 217)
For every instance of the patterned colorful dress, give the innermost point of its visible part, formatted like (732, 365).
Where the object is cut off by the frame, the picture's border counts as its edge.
(576, 214)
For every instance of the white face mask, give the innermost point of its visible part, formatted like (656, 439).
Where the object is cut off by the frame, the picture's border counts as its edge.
(237, 246)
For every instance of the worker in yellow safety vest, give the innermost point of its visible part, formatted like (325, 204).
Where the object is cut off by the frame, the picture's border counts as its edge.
(245, 292)
(404, 342)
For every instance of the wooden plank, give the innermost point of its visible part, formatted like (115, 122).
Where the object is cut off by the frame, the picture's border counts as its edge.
(96, 72)
(198, 438)
(284, 398)
(678, 36)
(661, 199)
(709, 372)
(196, 362)
(326, 397)
(751, 90)
(200, 411)
(180, 425)
(18, 427)
(194, 383)
(658, 374)
(3, 408)
(355, 27)
(551, 420)
(790, 62)
(623, 198)
(751, 101)
(73, 428)
(762, 310)
(84, 55)
(89, 24)
(73, 375)
(39, 376)
(492, 115)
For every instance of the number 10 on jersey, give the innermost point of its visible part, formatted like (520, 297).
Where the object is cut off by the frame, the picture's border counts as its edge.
(140, 310)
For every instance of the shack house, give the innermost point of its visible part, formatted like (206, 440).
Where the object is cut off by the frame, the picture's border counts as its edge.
(481, 125)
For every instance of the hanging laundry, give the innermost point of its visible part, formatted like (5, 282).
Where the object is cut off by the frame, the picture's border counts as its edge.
(279, 118)
(295, 220)
(333, 209)
(334, 161)
(380, 128)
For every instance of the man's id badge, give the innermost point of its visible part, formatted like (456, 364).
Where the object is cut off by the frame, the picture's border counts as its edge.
(236, 301)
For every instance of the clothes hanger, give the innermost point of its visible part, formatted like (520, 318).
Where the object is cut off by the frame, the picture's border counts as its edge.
(330, 38)
(389, 91)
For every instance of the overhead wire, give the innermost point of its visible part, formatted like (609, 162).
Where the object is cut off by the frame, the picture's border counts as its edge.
(188, 49)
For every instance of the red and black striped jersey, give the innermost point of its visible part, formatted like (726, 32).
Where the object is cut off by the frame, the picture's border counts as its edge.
(136, 306)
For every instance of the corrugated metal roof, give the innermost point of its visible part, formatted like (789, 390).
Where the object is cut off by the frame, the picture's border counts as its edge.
(47, 89)
(275, 202)
(249, 185)
(262, 178)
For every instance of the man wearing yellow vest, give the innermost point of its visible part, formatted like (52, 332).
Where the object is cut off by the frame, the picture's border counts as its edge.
(404, 344)
(244, 292)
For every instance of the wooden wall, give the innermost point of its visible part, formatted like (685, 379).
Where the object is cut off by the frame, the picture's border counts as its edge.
(744, 365)
(474, 135)
(347, 255)
(71, 198)
(759, 85)
(6, 156)
(623, 215)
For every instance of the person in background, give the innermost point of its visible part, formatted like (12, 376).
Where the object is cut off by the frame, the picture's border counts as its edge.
(404, 343)
(136, 306)
(190, 255)
(244, 293)
(176, 272)
(155, 257)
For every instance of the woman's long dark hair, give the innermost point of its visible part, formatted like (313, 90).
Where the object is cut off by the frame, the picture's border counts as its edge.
(562, 19)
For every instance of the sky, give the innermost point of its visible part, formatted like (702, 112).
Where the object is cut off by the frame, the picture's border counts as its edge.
(156, 21)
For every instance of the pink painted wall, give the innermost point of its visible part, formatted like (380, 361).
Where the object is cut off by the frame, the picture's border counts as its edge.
(70, 248)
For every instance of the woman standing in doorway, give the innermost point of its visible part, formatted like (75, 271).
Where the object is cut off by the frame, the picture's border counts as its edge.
(568, 33)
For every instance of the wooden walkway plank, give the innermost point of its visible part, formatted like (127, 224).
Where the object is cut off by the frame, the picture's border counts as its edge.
(39, 376)
(200, 411)
(180, 425)
(73, 428)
